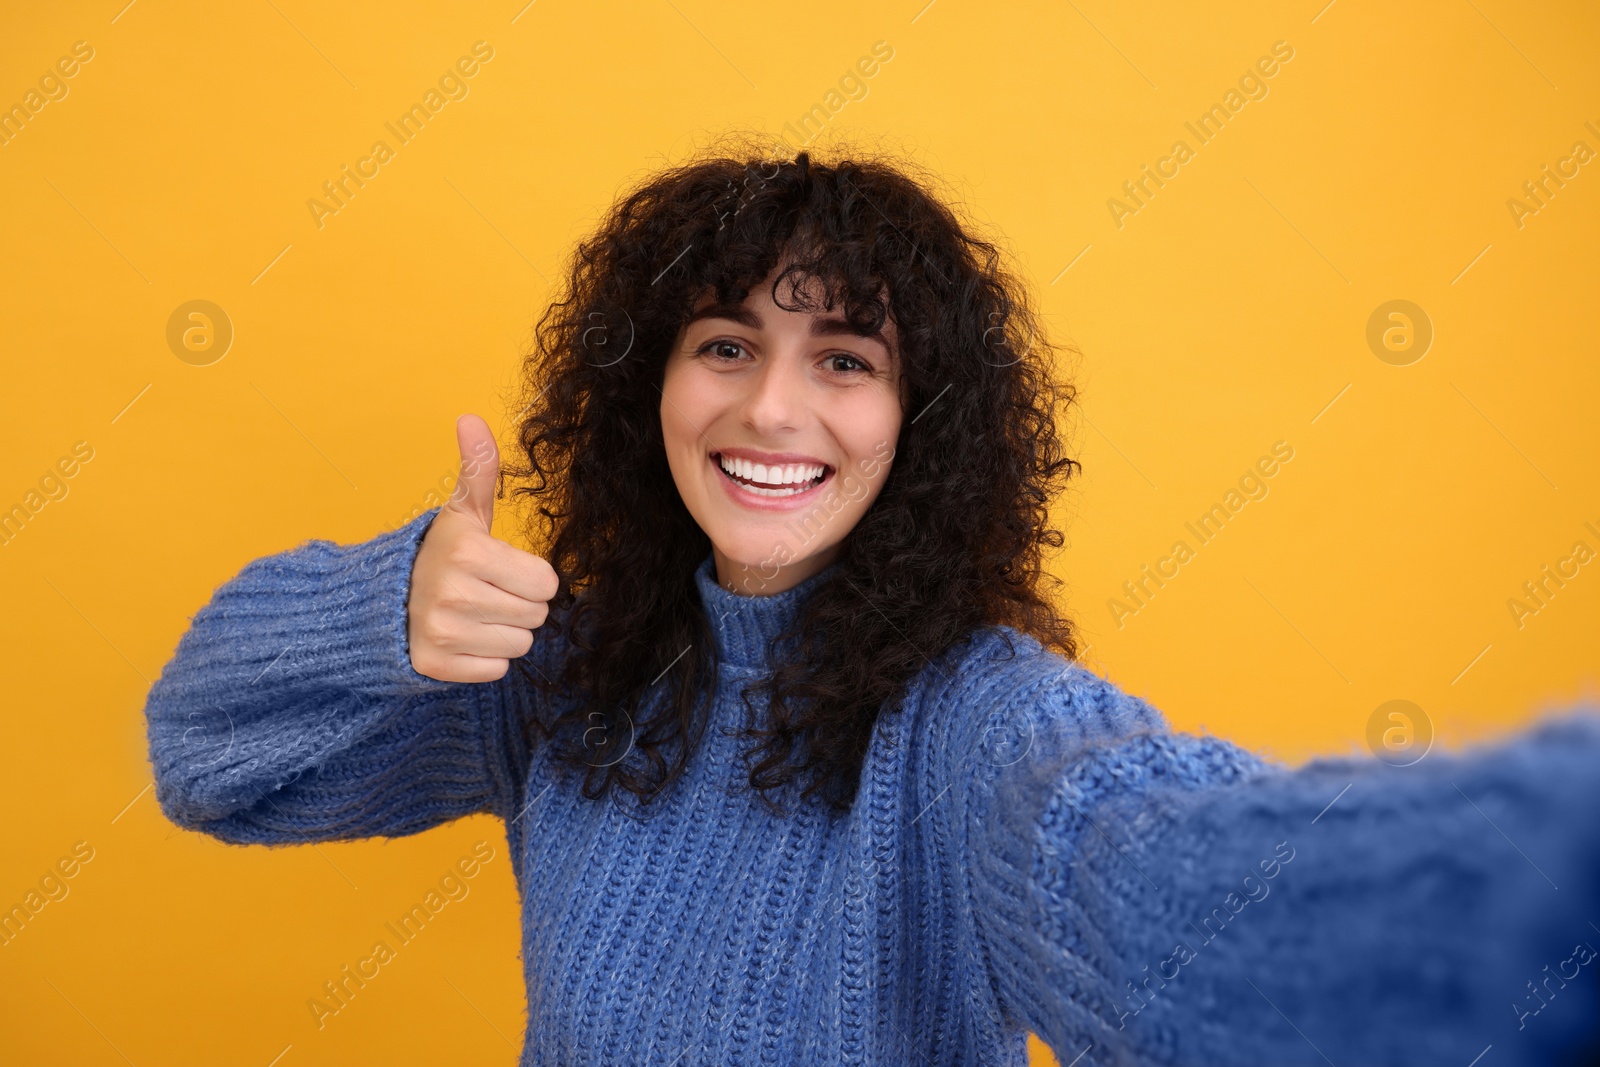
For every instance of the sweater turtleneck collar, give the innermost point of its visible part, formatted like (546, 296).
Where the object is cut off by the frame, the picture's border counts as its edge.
(745, 627)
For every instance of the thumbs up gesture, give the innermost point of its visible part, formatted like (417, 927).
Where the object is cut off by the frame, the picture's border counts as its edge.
(475, 600)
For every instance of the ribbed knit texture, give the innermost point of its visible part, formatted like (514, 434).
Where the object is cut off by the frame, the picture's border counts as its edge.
(1029, 849)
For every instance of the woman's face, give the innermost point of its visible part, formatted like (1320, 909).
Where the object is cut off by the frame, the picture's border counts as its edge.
(780, 427)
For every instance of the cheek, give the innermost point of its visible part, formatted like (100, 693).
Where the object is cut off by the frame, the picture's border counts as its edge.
(680, 404)
(869, 440)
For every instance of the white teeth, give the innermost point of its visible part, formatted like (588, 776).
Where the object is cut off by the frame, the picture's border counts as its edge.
(799, 475)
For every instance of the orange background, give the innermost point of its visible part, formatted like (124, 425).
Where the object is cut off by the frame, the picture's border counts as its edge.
(1228, 313)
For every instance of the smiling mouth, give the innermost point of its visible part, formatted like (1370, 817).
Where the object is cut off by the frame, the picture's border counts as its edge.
(790, 479)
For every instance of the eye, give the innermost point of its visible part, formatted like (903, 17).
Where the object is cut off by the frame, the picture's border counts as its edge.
(724, 350)
(849, 357)
(714, 349)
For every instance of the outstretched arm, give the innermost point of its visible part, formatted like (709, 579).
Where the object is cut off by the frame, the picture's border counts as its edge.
(1164, 898)
(290, 711)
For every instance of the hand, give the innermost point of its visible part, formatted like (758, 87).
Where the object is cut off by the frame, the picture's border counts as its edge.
(475, 600)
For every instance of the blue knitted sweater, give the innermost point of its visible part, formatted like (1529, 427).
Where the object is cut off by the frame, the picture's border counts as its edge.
(1031, 849)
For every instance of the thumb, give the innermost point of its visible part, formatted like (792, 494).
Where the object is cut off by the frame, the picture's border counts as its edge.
(480, 471)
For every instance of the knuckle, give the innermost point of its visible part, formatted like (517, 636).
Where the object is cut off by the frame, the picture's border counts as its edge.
(436, 635)
(462, 554)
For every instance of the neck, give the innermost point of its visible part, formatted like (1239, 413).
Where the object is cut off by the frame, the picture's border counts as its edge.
(746, 626)
(767, 578)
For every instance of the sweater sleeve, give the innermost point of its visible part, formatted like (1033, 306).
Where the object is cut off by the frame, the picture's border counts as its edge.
(1148, 897)
(290, 711)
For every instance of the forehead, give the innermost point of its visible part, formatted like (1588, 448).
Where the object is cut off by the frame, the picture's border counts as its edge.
(758, 306)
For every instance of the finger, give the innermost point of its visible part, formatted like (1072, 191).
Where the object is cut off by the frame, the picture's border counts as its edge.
(480, 471)
(485, 604)
(495, 642)
(472, 669)
(519, 573)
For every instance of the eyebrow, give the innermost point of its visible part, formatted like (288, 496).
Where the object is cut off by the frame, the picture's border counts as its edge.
(819, 327)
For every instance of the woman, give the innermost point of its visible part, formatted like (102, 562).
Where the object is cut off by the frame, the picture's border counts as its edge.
(794, 758)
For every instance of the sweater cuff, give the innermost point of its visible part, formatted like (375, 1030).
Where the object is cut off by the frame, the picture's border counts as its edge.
(1061, 858)
(1196, 911)
(374, 587)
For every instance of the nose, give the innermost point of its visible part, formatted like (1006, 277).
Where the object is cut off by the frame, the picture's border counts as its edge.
(777, 400)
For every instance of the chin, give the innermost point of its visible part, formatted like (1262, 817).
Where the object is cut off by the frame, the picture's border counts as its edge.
(763, 551)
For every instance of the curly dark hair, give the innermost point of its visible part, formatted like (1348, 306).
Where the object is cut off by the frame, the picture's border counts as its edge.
(952, 543)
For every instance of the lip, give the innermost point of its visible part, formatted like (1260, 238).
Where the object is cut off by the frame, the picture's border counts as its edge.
(755, 455)
(745, 499)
